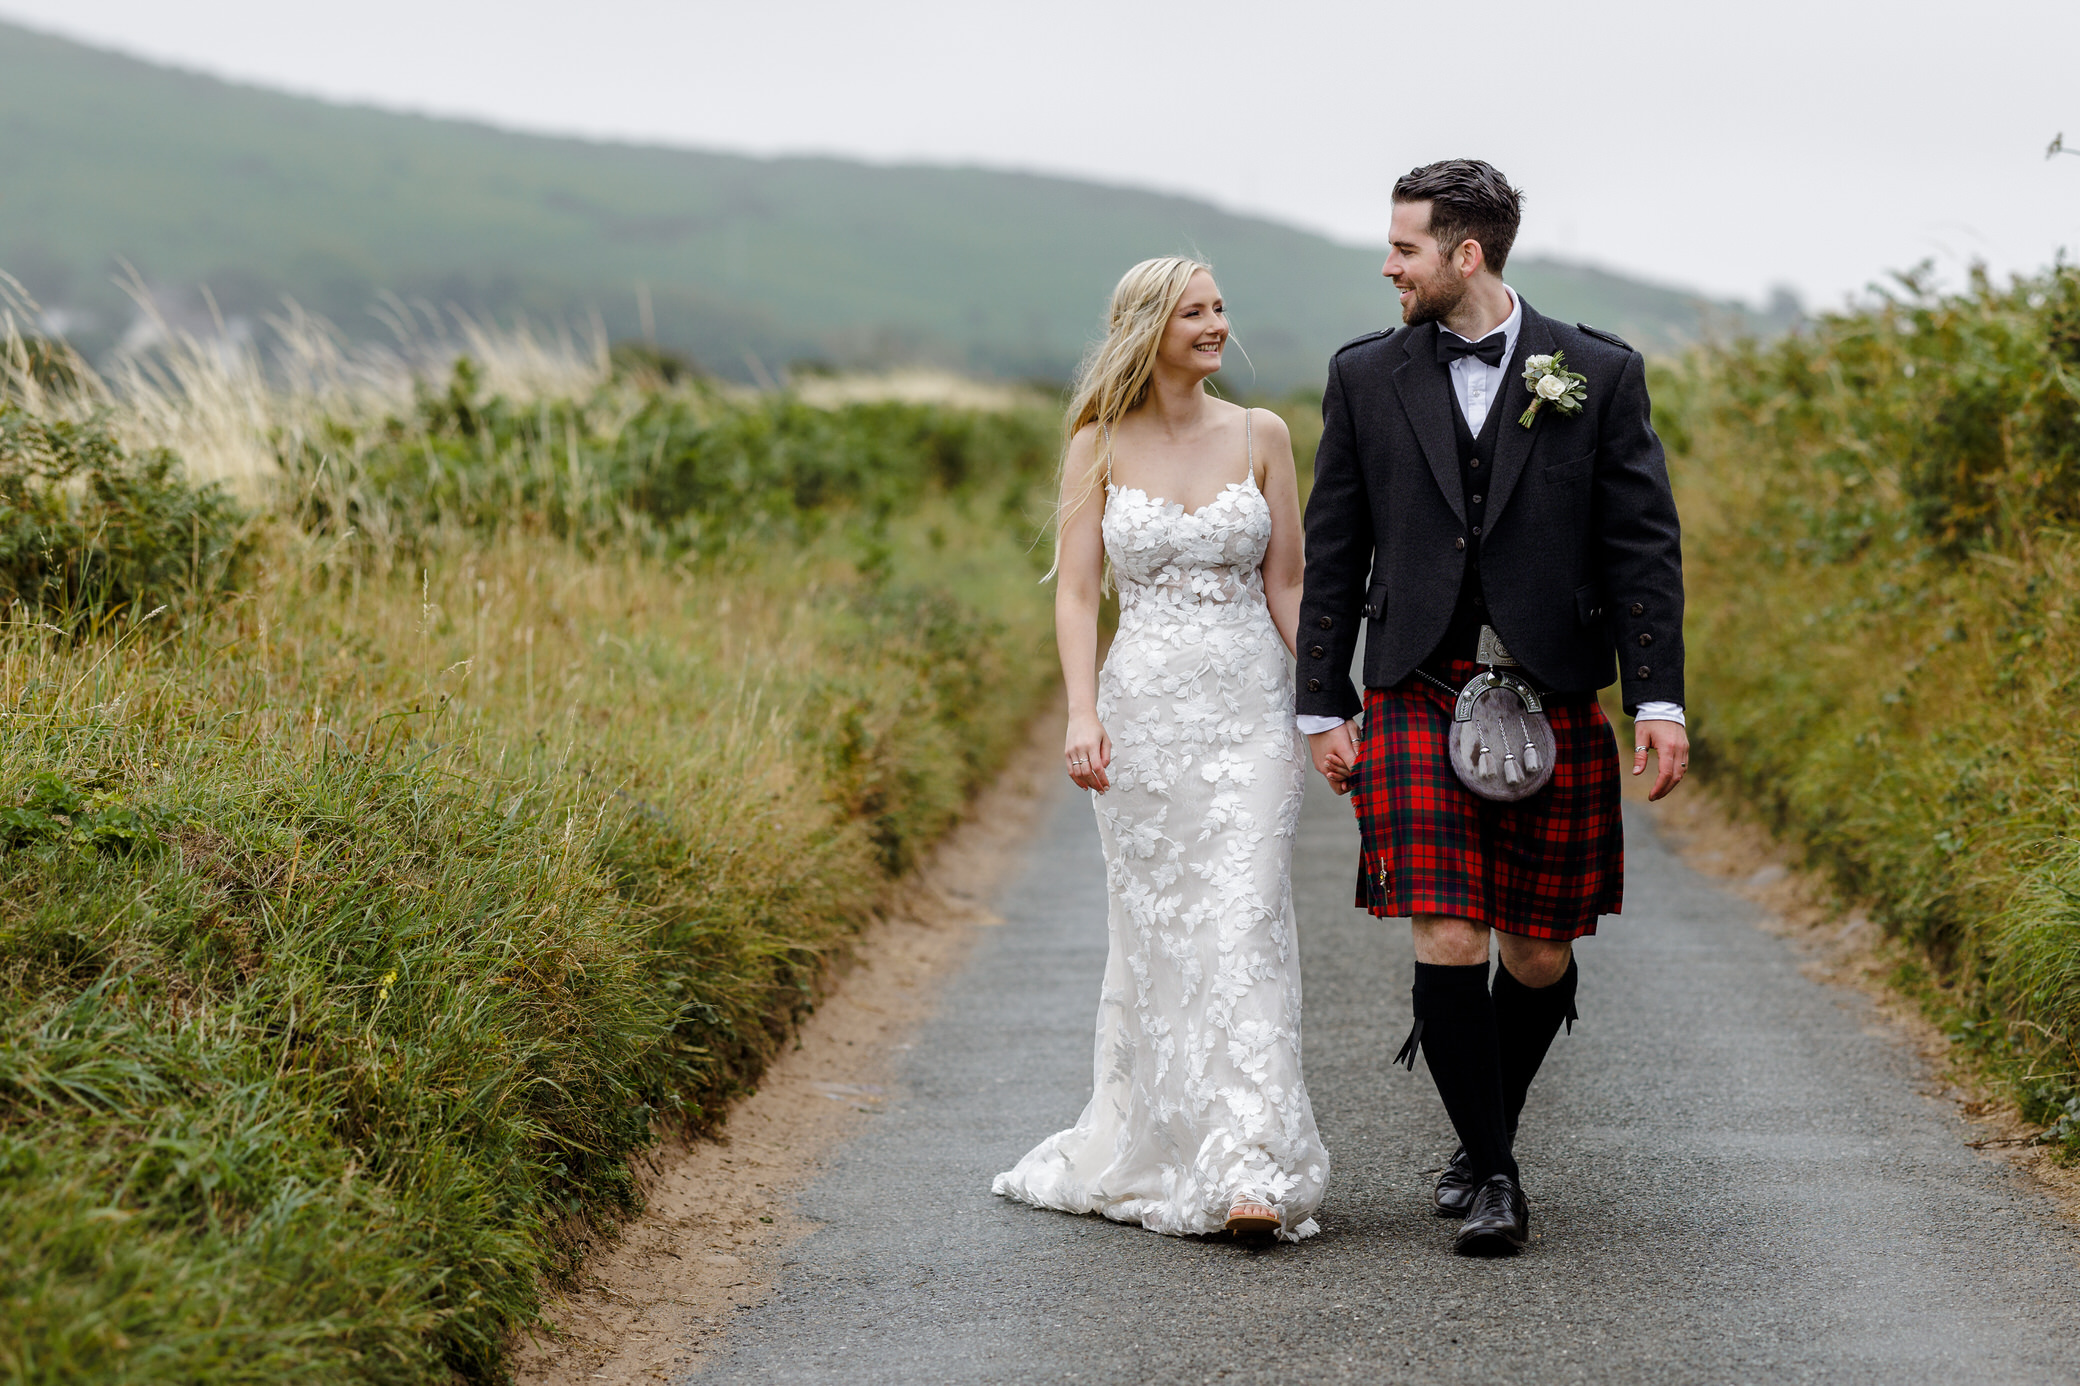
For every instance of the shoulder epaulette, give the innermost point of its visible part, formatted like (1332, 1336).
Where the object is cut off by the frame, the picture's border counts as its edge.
(1613, 338)
(1369, 336)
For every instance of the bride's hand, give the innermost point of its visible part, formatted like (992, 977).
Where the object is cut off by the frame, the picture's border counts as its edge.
(1088, 752)
(1335, 753)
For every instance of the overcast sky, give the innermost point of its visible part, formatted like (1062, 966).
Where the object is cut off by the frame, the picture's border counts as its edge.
(1814, 143)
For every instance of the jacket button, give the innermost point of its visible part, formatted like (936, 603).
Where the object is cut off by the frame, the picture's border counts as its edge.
(1325, 623)
(1642, 672)
(1314, 685)
(1645, 640)
(1638, 610)
(1460, 542)
(1317, 652)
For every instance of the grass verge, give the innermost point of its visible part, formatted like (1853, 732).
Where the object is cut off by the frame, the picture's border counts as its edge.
(357, 926)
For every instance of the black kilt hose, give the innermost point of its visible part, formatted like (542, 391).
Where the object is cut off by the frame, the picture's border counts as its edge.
(1543, 867)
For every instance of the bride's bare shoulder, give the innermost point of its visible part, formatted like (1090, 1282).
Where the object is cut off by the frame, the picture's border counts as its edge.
(1263, 423)
(1270, 425)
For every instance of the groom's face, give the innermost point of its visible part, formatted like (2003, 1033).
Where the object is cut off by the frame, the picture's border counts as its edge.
(1429, 283)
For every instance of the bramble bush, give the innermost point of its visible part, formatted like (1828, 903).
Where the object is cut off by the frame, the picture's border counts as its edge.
(88, 529)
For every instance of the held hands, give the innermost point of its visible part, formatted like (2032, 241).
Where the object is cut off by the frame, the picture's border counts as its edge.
(1335, 754)
(1670, 745)
(1088, 751)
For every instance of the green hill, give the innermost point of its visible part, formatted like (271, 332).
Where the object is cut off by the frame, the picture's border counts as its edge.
(257, 195)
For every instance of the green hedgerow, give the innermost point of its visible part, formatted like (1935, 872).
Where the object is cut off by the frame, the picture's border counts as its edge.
(1883, 548)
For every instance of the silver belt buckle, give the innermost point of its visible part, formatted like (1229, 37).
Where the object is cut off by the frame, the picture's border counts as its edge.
(1491, 650)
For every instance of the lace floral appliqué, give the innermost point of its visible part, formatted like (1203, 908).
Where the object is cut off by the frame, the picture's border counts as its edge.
(1198, 1097)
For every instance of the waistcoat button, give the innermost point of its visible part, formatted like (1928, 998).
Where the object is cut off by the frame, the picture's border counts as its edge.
(1642, 672)
(1317, 652)
(1325, 623)
(1645, 640)
(1638, 610)
(1314, 685)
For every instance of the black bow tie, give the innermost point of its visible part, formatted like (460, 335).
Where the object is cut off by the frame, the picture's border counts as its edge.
(1451, 346)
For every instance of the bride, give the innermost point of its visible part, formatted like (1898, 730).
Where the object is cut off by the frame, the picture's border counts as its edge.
(1199, 1120)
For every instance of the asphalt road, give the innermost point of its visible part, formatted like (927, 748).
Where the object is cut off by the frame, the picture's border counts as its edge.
(1735, 1175)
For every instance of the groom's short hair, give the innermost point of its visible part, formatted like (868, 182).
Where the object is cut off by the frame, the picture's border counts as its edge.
(1469, 200)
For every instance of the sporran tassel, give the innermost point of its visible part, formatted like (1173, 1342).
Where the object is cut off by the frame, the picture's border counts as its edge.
(1512, 773)
(1486, 763)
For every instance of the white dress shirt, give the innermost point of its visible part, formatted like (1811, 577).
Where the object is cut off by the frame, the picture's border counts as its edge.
(1478, 386)
(1474, 381)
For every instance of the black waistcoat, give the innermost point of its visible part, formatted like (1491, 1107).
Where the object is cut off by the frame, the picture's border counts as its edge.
(1476, 462)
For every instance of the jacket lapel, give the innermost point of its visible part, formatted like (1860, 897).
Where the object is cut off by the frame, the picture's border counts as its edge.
(1426, 397)
(1514, 447)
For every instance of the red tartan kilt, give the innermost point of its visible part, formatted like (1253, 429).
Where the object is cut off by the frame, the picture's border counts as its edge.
(1544, 867)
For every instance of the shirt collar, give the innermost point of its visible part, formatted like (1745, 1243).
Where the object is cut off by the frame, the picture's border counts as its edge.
(1511, 325)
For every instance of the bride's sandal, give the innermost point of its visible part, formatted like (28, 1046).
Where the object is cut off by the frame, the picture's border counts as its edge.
(1249, 1218)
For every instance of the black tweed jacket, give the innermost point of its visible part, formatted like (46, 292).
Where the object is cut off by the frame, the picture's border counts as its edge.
(1581, 554)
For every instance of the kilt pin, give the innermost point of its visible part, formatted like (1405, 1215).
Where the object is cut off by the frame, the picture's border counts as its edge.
(1543, 867)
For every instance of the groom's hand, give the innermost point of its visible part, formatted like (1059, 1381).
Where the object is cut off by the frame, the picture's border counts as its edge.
(1671, 747)
(1335, 755)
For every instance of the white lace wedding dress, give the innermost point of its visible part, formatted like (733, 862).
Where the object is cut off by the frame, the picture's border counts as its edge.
(1197, 1094)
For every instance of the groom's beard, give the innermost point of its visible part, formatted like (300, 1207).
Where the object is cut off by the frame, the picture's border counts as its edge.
(1434, 300)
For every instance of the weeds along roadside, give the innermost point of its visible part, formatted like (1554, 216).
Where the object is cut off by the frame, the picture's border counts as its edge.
(364, 908)
(1882, 544)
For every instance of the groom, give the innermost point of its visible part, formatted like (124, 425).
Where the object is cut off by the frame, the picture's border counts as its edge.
(1473, 531)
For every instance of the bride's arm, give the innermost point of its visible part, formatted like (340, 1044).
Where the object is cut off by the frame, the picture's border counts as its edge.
(1284, 563)
(1079, 586)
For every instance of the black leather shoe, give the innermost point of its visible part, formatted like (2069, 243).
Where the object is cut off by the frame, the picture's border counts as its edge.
(1498, 1224)
(1456, 1186)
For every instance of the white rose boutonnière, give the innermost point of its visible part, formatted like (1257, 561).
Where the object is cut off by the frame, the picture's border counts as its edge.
(1552, 383)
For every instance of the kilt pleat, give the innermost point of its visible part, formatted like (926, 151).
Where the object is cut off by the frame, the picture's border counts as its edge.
(1543, 867)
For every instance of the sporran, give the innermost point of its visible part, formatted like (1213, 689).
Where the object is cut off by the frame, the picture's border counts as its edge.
(1502, 745)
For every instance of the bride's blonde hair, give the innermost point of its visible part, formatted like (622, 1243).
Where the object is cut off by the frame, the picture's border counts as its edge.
(1113, 379)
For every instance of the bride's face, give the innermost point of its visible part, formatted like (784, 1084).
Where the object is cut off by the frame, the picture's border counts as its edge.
(1197, 331)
